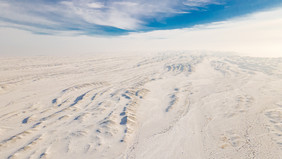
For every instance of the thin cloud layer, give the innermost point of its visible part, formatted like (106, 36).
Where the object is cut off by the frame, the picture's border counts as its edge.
(258, 34)
(92, 16)
(118, 17)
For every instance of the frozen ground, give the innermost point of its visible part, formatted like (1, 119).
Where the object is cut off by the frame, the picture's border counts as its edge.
(143, 107)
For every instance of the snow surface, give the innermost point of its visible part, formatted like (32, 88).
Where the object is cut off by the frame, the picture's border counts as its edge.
(146, 107)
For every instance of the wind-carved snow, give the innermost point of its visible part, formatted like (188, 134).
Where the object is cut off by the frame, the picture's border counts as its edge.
(159, 106)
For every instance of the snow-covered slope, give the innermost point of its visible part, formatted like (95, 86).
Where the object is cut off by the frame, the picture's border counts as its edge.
(159, 106)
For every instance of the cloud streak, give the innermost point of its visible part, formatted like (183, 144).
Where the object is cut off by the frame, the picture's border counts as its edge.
(93, 16)
(258, 34)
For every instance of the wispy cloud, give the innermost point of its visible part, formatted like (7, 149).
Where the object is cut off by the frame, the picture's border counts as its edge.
(194, 3)
(258, 34)
(93, 16)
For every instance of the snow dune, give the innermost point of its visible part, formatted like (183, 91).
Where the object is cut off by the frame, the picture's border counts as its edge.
(160, 106)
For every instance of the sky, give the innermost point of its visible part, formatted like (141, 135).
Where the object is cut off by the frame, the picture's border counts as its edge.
(71, 27)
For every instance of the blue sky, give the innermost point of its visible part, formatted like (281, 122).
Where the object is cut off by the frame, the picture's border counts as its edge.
(119, 17)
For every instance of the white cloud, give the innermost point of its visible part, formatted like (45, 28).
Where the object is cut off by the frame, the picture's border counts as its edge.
(4, 5)
(193, 3)
(95, 5)
(128, 4)
(121, 14)
(110, 15)
(259, 34)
